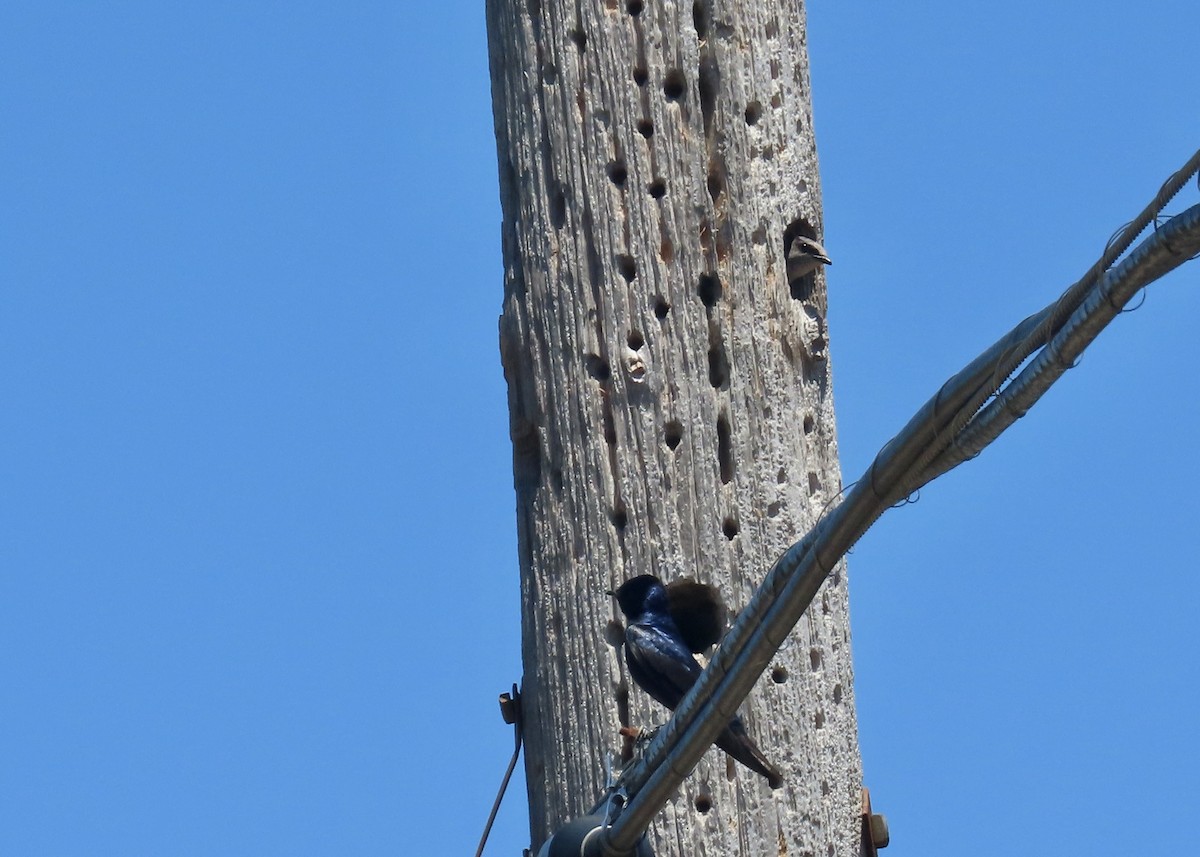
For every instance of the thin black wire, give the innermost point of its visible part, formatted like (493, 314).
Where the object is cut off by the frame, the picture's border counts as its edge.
(1140, 303)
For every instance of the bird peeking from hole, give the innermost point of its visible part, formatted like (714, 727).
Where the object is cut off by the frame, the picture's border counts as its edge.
(664, 626)
(804, 257)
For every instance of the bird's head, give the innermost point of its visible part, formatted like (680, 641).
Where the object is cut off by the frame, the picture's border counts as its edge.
(641, 594)
(804, 256)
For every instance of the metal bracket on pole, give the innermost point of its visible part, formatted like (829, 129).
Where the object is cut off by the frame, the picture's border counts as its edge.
(874, 828)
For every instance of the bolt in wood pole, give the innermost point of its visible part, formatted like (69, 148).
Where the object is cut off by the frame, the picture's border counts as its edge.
(669, 389)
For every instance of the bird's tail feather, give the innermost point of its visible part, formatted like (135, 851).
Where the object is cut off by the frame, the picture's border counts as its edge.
(734, 741)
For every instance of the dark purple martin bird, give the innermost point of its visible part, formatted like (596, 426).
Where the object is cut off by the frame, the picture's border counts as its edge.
(659, 654)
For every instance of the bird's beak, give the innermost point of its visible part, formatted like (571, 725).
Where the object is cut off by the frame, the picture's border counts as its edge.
(824, 259)
(610, 592)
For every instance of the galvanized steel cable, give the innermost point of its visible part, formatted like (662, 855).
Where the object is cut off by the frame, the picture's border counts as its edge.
(1171, 246)
(1046, 323)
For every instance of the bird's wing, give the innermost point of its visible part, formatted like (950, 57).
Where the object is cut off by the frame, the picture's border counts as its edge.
(660, 664)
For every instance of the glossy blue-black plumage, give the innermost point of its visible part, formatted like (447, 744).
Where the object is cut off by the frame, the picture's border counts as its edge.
(661, 663)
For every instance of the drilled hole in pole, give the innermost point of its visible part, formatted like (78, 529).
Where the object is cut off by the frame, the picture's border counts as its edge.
(700, 19)
(597, 367)
(708, 82)
(724, 449)
(673, 433)
(628, 267)
(718, 366)
(558, 208)
(674, 84)
(716, 186)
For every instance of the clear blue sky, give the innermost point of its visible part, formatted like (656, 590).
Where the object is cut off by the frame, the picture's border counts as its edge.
(257, 542)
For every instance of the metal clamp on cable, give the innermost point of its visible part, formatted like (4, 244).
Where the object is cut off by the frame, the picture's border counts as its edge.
(582, 838)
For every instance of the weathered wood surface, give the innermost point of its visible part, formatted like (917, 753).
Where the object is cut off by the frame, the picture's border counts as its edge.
(670, 399)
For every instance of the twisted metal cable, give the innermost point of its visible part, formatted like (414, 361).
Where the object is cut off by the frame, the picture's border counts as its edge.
(1033, 333)
(1169, 247)
(936, 461)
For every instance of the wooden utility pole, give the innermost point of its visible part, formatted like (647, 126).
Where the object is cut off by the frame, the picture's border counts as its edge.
(669, 389)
